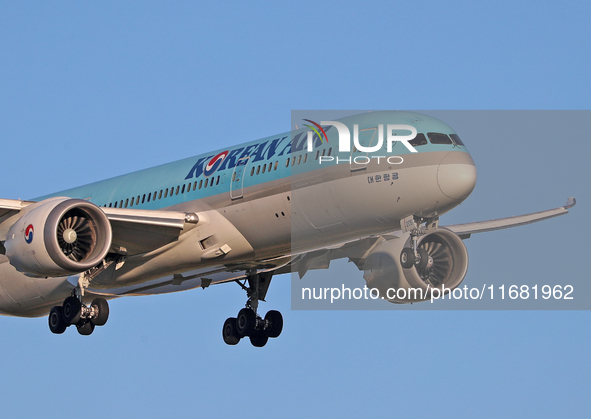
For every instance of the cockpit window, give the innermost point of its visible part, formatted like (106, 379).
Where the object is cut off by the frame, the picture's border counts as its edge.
(418, 140)
(456, 139)
(437, 138)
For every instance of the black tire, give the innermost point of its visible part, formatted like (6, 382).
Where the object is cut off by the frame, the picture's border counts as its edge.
(56, 321)
(85, 328)
(102, 307)
(72, 309)
(229, 332)
(245, 322)
(259, 338)
(423, 260)
(274, 322)
(407, 258)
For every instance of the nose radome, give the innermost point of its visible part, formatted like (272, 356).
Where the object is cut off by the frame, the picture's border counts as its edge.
(456, 175)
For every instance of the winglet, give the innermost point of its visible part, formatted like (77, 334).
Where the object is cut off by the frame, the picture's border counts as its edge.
(570, 202)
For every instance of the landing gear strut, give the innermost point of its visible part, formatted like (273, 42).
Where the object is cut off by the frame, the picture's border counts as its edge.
(417, 256)
(248, 322)
(74, 312)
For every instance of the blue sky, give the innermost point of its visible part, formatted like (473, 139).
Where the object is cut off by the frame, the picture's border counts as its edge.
(93, 90)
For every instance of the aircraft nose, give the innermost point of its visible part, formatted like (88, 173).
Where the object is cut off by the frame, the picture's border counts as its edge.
(456, 175)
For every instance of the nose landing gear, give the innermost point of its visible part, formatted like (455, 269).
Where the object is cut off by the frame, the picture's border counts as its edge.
(417, 256)
(248, 323)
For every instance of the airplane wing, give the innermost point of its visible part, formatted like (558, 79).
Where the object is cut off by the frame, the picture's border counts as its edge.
(356, 251)
(466, 230)
(134, 231)
(140, 231)
(9, 207)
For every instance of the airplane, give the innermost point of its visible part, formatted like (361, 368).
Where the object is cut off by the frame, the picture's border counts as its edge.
(360, 187)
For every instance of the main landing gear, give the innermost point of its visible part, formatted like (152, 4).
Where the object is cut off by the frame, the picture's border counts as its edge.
(248, 322)
(74, 312)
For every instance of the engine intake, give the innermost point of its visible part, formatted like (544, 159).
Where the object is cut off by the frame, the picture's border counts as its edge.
(58, 237)
(447, 266)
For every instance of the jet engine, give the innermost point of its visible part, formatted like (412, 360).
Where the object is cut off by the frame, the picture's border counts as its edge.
(444, 269)
(58, 237)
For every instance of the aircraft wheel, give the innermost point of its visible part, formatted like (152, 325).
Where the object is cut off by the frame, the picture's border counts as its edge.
(72, 309)
(57, 324)
(407, 258)
(101, 305)
(423, 260)
(259, 338)
(245, 322)
(85, 328)
(229, 332)
(275, 320)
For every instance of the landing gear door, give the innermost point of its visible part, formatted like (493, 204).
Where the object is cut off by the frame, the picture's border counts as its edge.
(237, 183)
(360, 159)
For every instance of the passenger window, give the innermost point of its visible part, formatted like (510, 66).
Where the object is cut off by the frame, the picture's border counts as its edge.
(183, 190)
(418, 140)
(218, 181)
(287, 163)
(323, 152)
(166, 192)
(258, 169)
(206, 182)
(121, 204)
(317, 154)
(177, 189)
(160, 194)
(251, 173)
(200, 183)
(195, 186)
(264, 168)
(131, 203)
(299, 159)
(144, 198)
(293, 162)
(276, 163)
(437, 138)
(456, 139)
(126, 202)
(329, 151)
(149, 195)
(115, 204)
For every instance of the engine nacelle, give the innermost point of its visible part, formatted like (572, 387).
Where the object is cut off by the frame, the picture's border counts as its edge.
(59, 237)
(445, 270)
